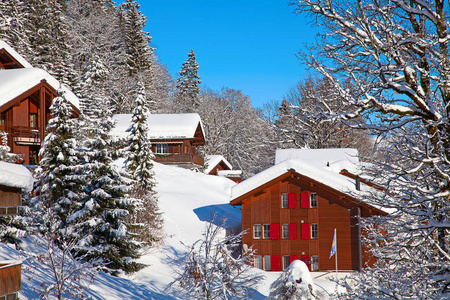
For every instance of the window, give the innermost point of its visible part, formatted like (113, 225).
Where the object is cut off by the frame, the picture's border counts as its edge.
(284, 200)
(285, 231)
(266, 231)
(32, 121)
(258, 261)
(257, 231)
(313, 200)
(2, 119)
(267, 262)
(314, 234)
(286, 261)
(162, 148)
(314, 263)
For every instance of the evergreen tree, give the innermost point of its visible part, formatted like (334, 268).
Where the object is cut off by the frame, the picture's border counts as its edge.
(5, 154)
(139, 164)
(59, 177)
(103, 220)
(13, 17)
(188, 90)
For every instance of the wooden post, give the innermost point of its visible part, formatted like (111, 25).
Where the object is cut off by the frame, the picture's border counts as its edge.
(43, 113)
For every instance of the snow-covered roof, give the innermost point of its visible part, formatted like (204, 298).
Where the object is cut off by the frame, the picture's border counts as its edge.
(13, 175)
(14, 82)
(336, 158)
(19, 58)
(314, 170)
(162, 126)
(214, 160)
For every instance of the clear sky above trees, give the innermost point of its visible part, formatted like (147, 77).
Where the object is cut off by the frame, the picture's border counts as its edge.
(248, 45)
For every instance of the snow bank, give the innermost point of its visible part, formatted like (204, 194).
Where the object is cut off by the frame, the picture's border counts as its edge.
(17, 176)
(14, 82)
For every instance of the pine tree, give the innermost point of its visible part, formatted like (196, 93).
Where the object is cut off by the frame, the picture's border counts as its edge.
(5, 154)
(188, 90)
(139, 164)
(102, 220)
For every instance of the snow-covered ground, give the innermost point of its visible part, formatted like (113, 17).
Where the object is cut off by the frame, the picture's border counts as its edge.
(187, 199)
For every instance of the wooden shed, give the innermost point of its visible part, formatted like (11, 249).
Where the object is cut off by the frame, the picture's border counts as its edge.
(291, 210)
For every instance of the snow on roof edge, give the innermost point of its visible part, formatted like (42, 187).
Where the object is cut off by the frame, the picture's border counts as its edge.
(14, 54)
(213, 160)
(17, 176)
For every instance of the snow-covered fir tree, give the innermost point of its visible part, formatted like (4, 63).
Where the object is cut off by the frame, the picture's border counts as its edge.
(188, 89)
(60, 178)
(210, 270)
(5, 151)
(397, 55)
(139, 164)
(103, 220)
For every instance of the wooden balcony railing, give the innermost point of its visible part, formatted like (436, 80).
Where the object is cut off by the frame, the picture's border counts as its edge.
(182, 158)
(24, 131)
(10, 277)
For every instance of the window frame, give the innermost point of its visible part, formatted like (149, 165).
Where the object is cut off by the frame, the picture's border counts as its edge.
(314, 229)
(160, 148)
(32, 120)
(255, 226)
(285, 231)
(311, 200)
(258, 261)
(288, 261)
(266, 229)
(267, 266)
(314, 263)
(284, 202)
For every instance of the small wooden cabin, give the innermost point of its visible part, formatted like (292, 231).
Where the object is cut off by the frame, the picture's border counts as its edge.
(291, 210)
(13, 180)
(219, 166)
(174, 138)
(26, 95)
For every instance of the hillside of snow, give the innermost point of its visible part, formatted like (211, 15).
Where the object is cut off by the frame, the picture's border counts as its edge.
(187, 199)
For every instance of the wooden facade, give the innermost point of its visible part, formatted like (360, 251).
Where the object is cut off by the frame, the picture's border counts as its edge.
(10, 279)
(294, 217)
(10, 200)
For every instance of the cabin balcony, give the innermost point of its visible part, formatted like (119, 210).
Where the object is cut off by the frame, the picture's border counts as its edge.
(184, 160)
(10, 279)
(23, 135)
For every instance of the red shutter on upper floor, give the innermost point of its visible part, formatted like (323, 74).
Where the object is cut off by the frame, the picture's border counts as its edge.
(275, 263)
(305, 231)
(304, 200)
(274, 231)
(307, 261)
(292, 231)
(292, 200)
(292, 258)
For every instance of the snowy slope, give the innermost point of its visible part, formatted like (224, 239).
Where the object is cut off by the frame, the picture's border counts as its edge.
(186, 198)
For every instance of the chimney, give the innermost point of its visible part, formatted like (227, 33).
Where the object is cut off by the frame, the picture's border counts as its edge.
(358, 183)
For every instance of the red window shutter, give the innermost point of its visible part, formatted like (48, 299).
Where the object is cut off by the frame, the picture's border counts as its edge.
(292, 258)
(305, 231)
(307, 261)
(304, 200)
(292, 200)
(274, 231)
(292, 231)
(275, 263)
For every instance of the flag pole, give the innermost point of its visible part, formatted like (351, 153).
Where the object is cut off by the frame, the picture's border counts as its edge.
(336, 253)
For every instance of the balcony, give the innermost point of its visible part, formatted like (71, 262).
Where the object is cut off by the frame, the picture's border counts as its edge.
(10, 278)
(23, 135)
(184, 160)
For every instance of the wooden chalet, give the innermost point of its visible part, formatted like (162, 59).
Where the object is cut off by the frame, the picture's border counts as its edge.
(26, 95)
(219, 166)
(174, 137)
(291, 210)
(13, 180)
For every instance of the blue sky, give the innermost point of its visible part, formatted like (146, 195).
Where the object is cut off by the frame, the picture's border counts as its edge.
(248, 45)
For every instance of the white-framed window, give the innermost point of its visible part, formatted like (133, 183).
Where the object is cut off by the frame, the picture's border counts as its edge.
(285, 231)
(313, 200)
(257, 234)
(314, 232)
(286, 261)
(266, 231)
(314, 263)
(258, 261)
(162, 148)
(284, 200)
(267, 263)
